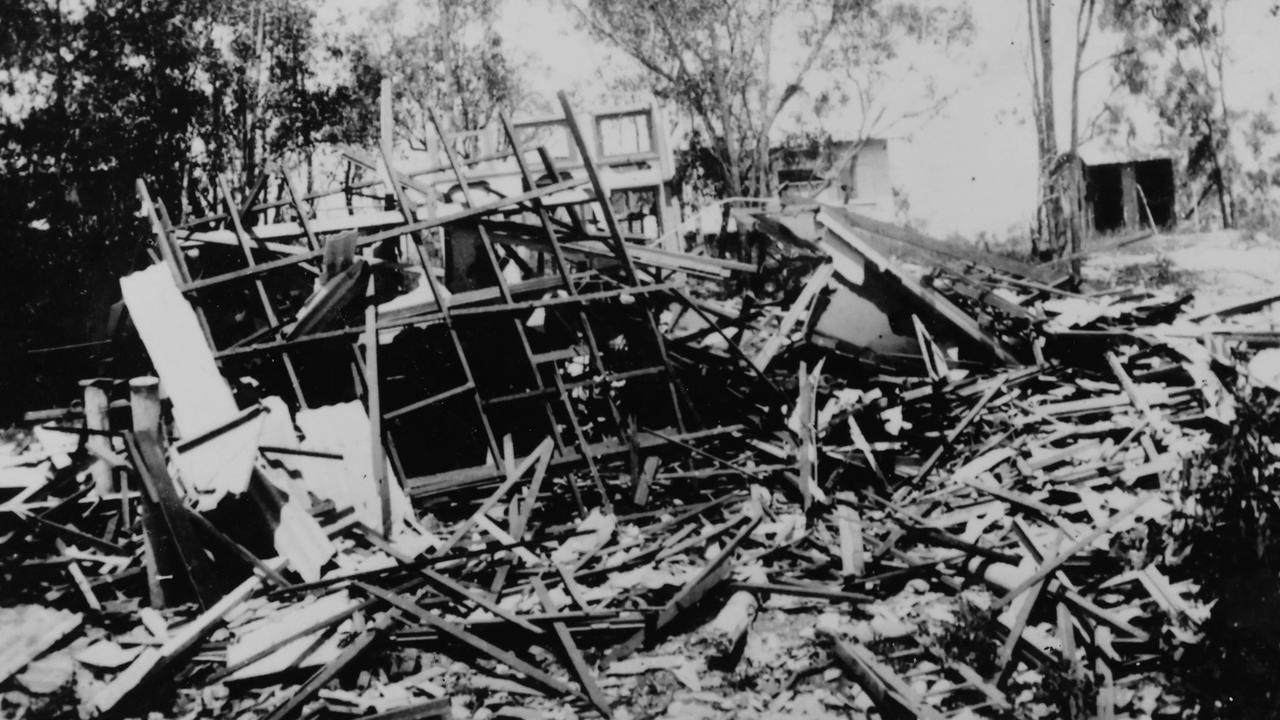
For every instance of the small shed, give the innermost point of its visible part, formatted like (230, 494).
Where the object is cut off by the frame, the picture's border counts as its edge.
(849, 173)
(1128, 188)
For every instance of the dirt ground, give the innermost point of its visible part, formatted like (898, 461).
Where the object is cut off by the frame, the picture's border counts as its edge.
(1219, 267)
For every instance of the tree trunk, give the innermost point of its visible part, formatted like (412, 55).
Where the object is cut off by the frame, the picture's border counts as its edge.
(1225, 175)
(1044, 11)
(733, 183)
(1040, 31)
(1074, 186)
(762, 174)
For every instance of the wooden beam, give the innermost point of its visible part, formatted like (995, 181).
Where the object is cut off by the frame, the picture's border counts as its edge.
(460, 635)
(577, 663)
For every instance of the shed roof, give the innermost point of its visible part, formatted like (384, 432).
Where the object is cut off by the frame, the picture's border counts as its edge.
(1106, 151)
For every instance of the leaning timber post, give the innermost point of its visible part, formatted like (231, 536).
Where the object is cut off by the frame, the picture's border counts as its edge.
(144, 402)
(95, 418)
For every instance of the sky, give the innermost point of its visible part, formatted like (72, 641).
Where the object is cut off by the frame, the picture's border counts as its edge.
(971, 169)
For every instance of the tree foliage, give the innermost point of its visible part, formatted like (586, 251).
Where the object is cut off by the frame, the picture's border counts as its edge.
(94, 96)
(442, 56)
(259, 64)
(92, 99)
(1174, 55)
(735, 67)
(888, 47)
(715, 60)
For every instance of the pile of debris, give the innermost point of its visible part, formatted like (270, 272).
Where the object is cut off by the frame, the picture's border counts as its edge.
(384, 442)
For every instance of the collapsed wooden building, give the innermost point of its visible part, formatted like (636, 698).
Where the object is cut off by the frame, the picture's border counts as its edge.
(461, 421)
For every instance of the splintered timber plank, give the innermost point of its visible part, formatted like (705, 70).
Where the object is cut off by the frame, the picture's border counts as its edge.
(810, 591)
(803, 422)
(816, 283)
(319, 625)
(645, 481)
(577, 663)
(149, 461)
(241, 551)
(460, 635)
(513, 476)
(522, 510)
(892, 696)
(95, 418)
(715, 572)
(437, 709)
(156, 662)
(971, 676)
(1058, 560)
(956, 431)
(74, 534)
(322, 676)
(939, 536)
(373, 397)
(695, 306)
(852, 556)
(77, 576)
(199, 572)
(584, 451)
(31, 630)
(1005, 654)
(1135, 396)
(453, 589)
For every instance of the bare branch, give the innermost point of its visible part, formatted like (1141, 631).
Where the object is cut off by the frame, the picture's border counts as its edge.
(791, 88)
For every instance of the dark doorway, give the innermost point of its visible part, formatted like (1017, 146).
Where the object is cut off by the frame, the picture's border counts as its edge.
(1129, 196)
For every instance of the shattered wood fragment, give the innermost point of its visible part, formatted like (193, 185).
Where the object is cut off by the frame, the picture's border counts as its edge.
(893, 697)
(357, 647)
(732, 622)
(645, 480)
(541, 456)
(1066, 554)
(438, 709)
(690, 594)
(468, 639)
(155, 662)
(28, 631)
(577, 663)
(803, 423)
(149, 460)
(801, 590)
(852, 560)
(95, 418)
(803, 303)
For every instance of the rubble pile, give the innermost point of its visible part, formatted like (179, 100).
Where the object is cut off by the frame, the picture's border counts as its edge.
(464, 456)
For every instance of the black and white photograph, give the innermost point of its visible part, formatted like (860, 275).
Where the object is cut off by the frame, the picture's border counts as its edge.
(639, 359)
